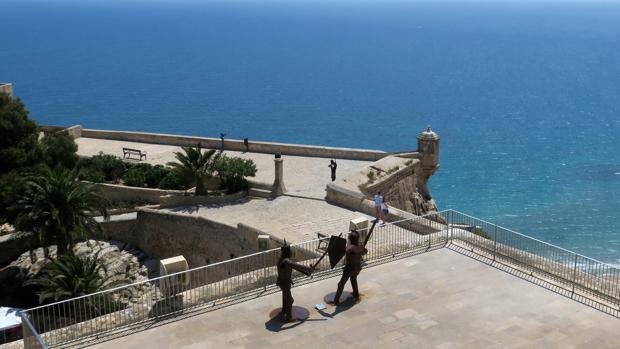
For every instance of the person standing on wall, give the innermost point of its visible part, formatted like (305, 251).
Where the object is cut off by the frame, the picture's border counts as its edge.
(222, 135)
(333, 166)
(378, 203)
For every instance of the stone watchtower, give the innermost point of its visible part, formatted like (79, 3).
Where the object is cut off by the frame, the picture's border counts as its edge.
(6, 88)
(428, 147)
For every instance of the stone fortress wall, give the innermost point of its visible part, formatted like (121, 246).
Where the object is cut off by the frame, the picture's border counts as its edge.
(229, 144)
(402, 177)
(406, 189)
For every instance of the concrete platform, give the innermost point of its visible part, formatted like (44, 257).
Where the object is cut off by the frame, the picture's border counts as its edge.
(440, 299)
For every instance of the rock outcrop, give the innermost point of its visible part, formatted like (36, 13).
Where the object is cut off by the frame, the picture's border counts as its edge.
(120, 259)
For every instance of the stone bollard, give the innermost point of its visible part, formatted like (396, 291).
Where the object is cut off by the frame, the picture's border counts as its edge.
(278, 183)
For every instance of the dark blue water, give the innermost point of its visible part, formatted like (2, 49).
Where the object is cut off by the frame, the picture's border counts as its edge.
(526, 96)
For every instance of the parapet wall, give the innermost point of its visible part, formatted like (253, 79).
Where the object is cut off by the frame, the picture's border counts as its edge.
(116, 193)
(352, 200)
(164, 234)
(237, 145)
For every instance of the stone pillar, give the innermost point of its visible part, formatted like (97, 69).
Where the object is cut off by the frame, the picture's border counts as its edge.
(428, 146)
(278, 183)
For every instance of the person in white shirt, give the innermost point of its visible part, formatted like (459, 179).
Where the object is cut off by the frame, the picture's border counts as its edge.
(378, 202)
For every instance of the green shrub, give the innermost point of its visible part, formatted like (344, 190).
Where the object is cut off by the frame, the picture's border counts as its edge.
(92, 175)
(173, 181)
(155, 175)
(111, 166)
(480, 232)
(393, 169)
(371, 176)
(59, 149)
(143, 166)
(18, 136)
(72, 276)
(134, 177)
(232, 172)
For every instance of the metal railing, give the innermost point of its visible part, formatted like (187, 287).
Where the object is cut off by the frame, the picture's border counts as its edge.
(140, 304)
(575, 273)
(119, 309)
(31, 339)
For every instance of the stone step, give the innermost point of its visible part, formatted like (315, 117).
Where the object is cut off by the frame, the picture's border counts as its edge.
(260, 185)
(260, 193)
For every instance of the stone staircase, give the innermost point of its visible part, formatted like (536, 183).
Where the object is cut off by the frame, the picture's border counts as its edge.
(260, 190)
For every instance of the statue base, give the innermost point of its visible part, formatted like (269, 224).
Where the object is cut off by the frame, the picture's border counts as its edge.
(299, 314)
(345, 296)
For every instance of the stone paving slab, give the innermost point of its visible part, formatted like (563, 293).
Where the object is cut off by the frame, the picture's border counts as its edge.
(292, 218)
(440, 300)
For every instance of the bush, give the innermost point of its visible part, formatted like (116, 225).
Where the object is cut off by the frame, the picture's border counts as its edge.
(480, 232)
(92, 175)
(155, 175)
(143, 166)
(371, 176)
(72, 276)
(111, 166)
(59, 149)
(173, 181)
(12, 185)
(232, 172)
(18, 136)
(134, 177)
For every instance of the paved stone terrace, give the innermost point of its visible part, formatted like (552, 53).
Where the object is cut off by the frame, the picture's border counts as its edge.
(290, 218)
(297, 217)
(303, 176)
(440, 300)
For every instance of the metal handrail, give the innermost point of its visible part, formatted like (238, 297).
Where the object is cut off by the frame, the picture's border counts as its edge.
(529, 237)
(250, 273)
(53, 318)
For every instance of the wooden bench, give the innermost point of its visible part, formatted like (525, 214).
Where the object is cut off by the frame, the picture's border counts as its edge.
(128, 151)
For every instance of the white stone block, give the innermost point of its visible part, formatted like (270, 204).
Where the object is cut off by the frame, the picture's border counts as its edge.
(170, 266)
(358, 223)
(264, 242)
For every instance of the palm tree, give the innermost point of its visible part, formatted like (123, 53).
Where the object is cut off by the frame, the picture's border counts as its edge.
(55, 207)
(71, 276)
(196, 166)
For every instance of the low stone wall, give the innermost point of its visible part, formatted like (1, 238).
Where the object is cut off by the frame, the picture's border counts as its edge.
(339, 196)
(178, 201)
(75, 131)
(164, 234)
(50, 129)
(237, 145)
(116, 193)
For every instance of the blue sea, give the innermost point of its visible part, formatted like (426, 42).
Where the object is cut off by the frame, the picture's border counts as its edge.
(524, 94)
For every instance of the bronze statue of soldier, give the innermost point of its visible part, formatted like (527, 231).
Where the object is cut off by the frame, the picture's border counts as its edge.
(285, 280)
(352, 267)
